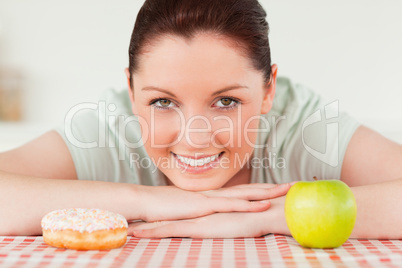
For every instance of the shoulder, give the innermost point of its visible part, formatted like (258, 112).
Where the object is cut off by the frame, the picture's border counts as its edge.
(86, 123)
(308, 133)
(371, 158)
(116, 102)
(294, 97)
(95, 134)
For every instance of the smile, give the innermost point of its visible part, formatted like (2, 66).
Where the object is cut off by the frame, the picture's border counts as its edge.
(197, 162)
(192, 162)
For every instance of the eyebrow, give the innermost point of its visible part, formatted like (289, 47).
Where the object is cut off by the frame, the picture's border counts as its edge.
(220, 91)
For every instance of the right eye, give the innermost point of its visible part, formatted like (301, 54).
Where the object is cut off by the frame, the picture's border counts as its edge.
(162, 104)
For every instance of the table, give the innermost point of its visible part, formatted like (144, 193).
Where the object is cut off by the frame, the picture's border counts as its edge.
(268, 251)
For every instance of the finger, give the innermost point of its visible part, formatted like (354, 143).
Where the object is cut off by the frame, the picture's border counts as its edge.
(241, 193)
(223, 192)
(261, 185)
(247, 193)
(171, 229)
(280, 190)
(145, 225)
(236, 205)
(255, 185)
(134, 225)
(192, 229)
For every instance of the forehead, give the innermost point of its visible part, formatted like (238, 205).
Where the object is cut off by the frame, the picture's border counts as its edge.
(200, 58)
(200, 37)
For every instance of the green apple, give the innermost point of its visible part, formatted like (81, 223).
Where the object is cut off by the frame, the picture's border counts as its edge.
(320, 214)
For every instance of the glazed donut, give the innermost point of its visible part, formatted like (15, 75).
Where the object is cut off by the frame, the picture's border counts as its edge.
(84, 229)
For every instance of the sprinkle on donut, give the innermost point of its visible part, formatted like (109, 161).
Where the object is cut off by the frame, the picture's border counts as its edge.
(83, 220)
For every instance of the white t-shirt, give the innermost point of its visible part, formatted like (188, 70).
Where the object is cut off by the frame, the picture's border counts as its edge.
(301, 137)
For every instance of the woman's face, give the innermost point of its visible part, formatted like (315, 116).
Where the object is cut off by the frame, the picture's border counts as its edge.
(199, 102)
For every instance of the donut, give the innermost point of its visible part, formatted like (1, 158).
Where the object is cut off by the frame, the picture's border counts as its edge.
(84, 229)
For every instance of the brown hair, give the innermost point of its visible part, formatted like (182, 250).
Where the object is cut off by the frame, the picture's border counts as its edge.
(241, 20)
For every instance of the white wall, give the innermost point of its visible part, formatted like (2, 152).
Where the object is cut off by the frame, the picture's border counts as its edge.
(346, 50)
(69, 51)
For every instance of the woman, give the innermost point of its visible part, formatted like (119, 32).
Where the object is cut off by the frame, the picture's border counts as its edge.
(204, 137)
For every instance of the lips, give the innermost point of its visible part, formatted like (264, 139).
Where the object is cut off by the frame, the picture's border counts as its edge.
(192, 164)
(197, 162)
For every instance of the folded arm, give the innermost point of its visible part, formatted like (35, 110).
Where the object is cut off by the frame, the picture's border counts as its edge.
(371, 167)
(40, 177)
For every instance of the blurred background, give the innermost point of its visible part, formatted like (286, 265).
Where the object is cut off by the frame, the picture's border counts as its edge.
(56, 53)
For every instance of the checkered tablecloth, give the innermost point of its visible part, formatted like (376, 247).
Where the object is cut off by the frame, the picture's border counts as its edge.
(271, 250)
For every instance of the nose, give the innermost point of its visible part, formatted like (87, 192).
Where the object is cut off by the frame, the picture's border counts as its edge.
(198, 131)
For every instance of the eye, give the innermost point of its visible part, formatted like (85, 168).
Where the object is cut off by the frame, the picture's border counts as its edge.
(226, 103)
(162, 103)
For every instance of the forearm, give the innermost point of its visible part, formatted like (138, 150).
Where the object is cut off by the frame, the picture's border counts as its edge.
(275, 217)
(379, 210)
(25, 200)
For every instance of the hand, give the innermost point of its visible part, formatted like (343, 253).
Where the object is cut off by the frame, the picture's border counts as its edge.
(163, 203)
(219, 225)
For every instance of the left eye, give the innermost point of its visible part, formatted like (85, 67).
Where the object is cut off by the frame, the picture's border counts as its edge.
(226, 102)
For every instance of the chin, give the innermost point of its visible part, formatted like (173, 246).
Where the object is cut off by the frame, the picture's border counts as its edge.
(196, 185)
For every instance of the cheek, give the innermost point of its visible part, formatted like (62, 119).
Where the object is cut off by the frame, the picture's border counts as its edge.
(223, 132)
(238, 132)
(250, 122)
(250, 130)
(159, 132)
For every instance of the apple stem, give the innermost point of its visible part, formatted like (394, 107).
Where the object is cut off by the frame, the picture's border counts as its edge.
(315, 178)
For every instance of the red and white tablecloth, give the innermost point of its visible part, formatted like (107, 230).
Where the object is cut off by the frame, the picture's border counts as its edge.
(268, 251)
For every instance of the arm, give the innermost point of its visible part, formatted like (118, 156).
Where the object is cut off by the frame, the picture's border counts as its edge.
(27, 193)
(25, 200)
(372, 167)
(379, 216)
(379, 210)
(39, 177)
(46, 156)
